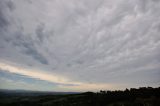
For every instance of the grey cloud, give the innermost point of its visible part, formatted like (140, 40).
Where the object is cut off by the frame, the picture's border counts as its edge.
(4, 7)
(10, 5)
(30, 50)
(92, 41)
(26, 46)
(40, 32)
(3, 19)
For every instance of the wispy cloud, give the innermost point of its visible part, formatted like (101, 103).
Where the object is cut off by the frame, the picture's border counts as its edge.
(61, 81)
(35, 74)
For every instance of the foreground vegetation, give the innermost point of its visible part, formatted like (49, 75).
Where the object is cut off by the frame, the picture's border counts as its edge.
(130, 97)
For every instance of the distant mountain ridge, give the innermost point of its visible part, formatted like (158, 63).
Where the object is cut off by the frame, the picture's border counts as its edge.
(7, 92)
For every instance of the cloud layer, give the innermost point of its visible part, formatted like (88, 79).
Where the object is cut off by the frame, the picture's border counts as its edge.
(98, 42)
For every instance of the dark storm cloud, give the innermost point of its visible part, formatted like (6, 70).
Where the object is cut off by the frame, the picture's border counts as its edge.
(5, 7)
(27, 47)
(10, 5)
(3, 19)
(30, 50)
(40, 32)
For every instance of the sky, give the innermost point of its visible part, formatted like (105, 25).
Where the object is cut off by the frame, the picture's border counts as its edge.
(79, 45)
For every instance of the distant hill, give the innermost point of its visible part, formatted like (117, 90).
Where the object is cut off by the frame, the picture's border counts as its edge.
(144, 96)
(6, 92)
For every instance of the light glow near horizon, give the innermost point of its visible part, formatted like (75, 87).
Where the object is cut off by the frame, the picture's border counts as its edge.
(72, 86)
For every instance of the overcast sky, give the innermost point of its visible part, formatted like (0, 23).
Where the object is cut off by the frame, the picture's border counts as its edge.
(79, 45)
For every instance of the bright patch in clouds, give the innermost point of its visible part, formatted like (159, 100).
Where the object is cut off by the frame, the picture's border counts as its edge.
(81, 45)
(34, 74)
(62, 81)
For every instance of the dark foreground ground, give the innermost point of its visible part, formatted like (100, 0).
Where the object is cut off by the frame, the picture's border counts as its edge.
(133, 97)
